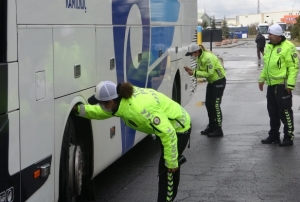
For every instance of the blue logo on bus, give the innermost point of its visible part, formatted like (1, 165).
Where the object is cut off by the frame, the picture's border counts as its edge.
(156, 41)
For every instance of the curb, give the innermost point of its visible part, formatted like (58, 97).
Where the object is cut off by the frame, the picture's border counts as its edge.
(230, 45)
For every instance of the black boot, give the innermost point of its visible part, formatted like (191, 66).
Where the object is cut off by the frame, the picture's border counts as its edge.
(207, 130)
(271, 140)
(218, 132)
(287, 141)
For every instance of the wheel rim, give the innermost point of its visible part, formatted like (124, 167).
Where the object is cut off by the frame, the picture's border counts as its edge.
(78, 170)
(75, 170)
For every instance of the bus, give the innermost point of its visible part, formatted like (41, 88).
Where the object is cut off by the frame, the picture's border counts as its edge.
(52, 55)
(283, 26)
(263, 29)
(238, 32)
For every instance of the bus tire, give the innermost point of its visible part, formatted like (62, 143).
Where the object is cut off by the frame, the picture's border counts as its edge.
(176, 89)
(71, 165)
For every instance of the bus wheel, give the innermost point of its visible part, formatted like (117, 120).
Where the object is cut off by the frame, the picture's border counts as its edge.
(71, 165)
(176, 91)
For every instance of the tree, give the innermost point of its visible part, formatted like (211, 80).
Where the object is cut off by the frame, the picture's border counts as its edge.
(225, 29)
(205, 24)
(252, 29)
(295, 32)
(213, 23)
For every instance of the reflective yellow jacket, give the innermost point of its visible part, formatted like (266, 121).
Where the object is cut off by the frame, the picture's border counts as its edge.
(209, 67)
(280, 64)
(150, 112)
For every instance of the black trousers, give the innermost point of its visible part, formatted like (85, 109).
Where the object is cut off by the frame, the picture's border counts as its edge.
(260, 50)
(213, 99)
(168, 182)
(279, 104)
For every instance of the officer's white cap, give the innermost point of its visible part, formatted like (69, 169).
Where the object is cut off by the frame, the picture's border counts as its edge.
(275, 29)
(105, 91)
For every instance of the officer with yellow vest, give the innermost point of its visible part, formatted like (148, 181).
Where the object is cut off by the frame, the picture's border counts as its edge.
(280, 73)
(209, 67)
(151, 112)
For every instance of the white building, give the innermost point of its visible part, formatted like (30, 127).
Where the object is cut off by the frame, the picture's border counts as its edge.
(272, 17)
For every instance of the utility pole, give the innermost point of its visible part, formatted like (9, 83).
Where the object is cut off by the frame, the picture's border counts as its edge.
(258, 6)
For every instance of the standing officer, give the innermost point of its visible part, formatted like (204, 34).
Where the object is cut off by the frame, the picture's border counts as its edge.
(209, 67)
(280, 74)
(151, 112)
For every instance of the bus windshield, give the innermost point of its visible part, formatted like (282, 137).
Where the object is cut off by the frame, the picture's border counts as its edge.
(283, 26)
(263, 29)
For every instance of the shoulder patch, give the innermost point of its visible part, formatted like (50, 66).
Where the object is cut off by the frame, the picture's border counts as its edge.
(156, 120)
(278, 50)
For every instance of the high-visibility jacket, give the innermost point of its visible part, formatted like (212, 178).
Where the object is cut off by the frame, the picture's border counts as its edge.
(209, 67)
(150, 112)
(281, 64)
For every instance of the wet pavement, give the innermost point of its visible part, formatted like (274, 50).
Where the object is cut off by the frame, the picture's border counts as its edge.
(233, 168)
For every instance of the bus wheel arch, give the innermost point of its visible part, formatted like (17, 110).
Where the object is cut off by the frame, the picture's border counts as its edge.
(76, 161)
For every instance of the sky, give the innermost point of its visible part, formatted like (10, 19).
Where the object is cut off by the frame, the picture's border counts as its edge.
(232, 8)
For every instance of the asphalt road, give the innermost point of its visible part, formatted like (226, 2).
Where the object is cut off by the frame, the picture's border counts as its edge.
(234, 168)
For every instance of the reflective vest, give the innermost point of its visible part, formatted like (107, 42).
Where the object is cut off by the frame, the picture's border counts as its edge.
(209, 67)
(150, 112)
(280, 64)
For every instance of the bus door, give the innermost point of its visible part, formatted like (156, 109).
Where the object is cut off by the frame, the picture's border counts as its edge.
(35, 52)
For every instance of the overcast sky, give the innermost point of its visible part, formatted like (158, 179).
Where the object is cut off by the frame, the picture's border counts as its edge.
(232, 8)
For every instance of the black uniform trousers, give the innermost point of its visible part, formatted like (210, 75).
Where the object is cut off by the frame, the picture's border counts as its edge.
(279, 104)
(214, 94)
(168, 182)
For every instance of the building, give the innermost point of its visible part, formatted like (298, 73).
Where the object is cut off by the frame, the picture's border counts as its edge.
(270, 18)
(289, 19)
(202, 17)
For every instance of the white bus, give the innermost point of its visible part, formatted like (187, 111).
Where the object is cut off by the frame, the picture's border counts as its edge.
(283, 26)
(263, 29)
(53, 54)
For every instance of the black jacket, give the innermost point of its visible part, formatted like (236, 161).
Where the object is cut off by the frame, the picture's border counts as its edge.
(260, 41)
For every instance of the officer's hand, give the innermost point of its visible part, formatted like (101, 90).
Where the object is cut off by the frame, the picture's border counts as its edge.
(289, 90)
(172, 170)
(261, 86)
(188, 70)
(75, 109)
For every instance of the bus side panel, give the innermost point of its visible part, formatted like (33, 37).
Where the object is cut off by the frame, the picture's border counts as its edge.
(74, 59)
(108, 146)
(105, 55)
(12, 32)
(64, 12)
(35, 52)
(13, 87)
(159, 76)
(188, 14)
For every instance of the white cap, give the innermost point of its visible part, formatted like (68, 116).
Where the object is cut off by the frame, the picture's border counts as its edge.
(275, 29)
(105, 91)
(192, 48)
